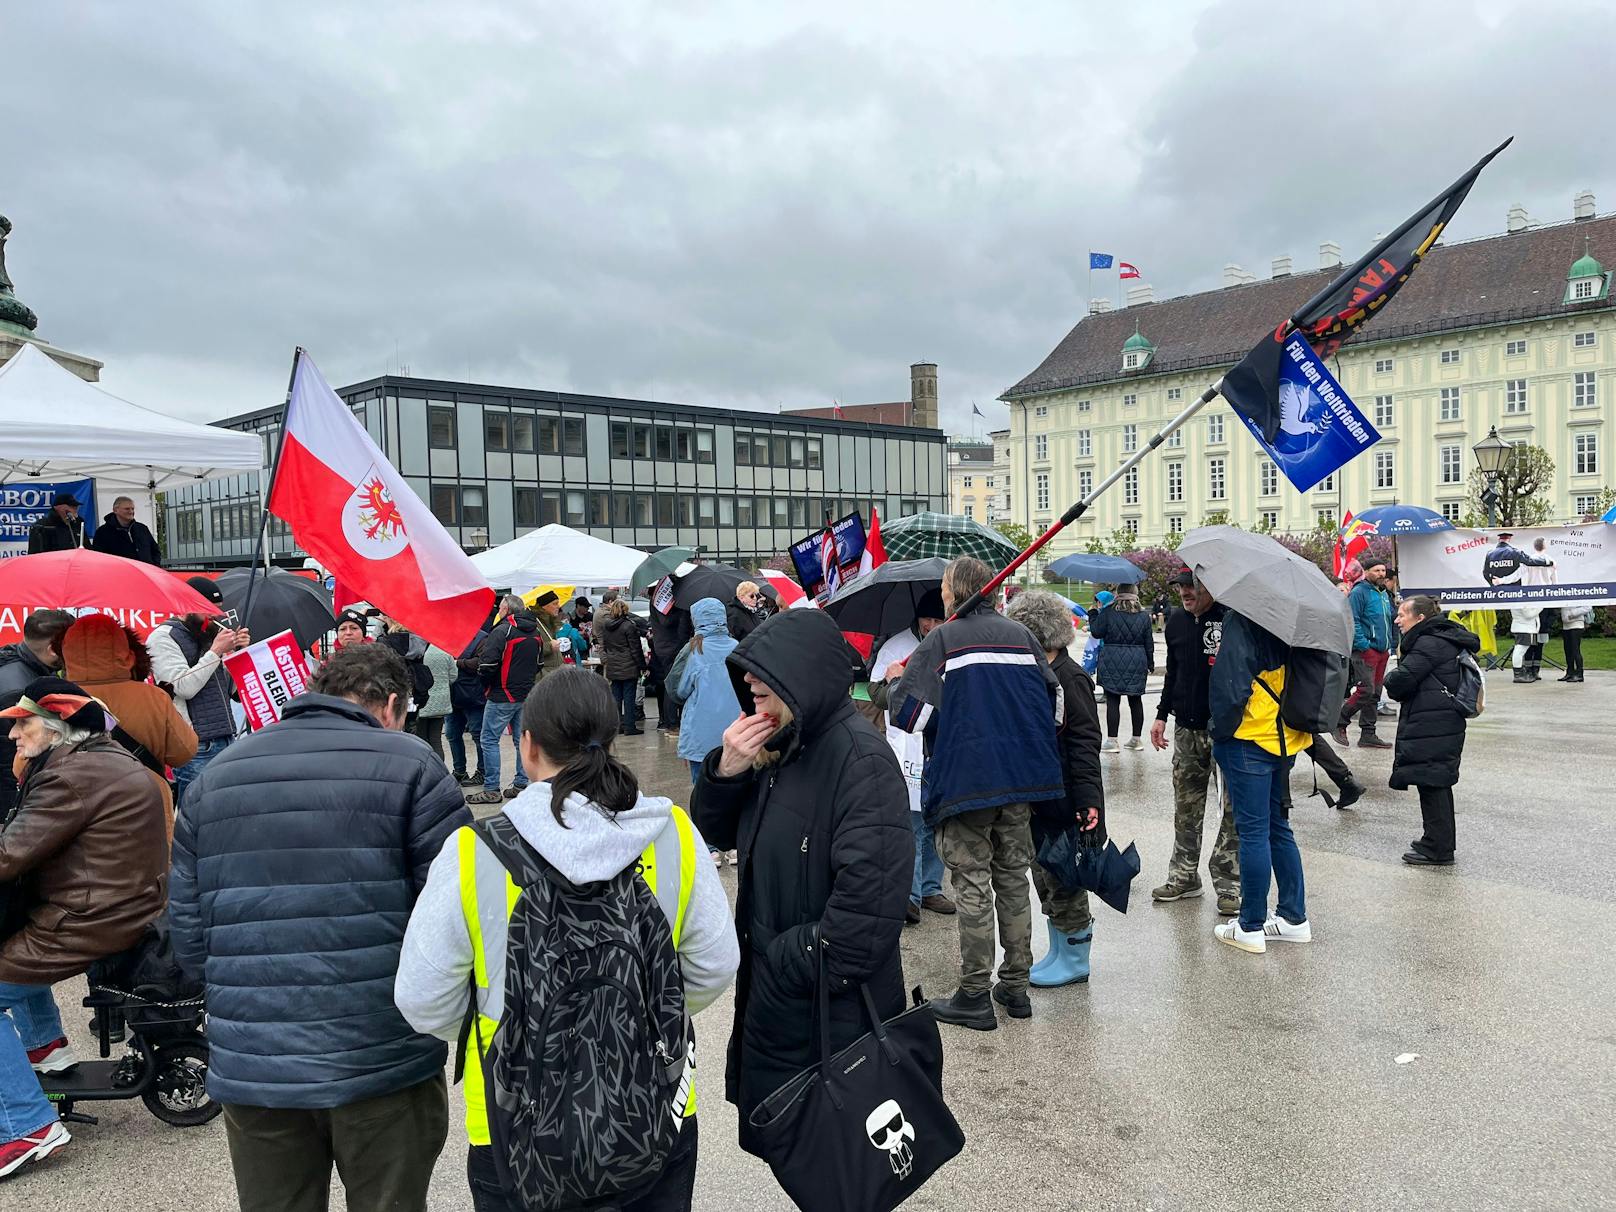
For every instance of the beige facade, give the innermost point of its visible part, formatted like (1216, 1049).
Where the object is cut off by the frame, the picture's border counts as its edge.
(978, 477)
(1547, 379)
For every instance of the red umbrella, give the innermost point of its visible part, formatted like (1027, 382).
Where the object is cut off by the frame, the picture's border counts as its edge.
(82, 579)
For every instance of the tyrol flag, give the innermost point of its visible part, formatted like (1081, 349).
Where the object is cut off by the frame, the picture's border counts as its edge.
(351, 511)
(1329, 318)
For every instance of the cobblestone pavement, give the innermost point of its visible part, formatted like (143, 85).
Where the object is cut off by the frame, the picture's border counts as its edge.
(1187, 1075)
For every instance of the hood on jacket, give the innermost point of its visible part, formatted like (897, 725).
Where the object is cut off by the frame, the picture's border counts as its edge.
(802, 657)
(97, 649)
(709, 615)
(1444, 629)
(524, 621)
(592, 846)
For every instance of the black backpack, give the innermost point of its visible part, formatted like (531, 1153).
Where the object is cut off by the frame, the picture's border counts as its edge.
(588, 1073)
(1470, 696)
(422, 680)
(1315, 688)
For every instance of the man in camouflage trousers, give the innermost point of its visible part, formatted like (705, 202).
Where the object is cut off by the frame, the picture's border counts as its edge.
(1193, 635)
(981, 692)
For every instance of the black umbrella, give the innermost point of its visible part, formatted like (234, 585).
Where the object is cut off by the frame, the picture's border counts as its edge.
(1103, 870)
(886, 601)
(707, 581)
(282, 601)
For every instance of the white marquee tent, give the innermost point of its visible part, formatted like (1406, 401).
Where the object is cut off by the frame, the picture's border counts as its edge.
(55, 426)
(557, 555)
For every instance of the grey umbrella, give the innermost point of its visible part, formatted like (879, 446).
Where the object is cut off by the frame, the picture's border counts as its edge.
(1272, 586)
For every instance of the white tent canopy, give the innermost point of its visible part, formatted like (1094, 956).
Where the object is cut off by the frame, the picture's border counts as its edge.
(557, 555)
(55, 426)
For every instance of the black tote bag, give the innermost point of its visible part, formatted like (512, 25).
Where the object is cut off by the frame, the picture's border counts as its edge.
(864, 1130)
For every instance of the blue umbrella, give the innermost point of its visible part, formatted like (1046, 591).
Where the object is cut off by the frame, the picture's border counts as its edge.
(1101, 569)
(1394, 520)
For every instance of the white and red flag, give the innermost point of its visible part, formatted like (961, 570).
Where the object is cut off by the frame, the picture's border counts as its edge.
(351, 511)
(830, 563)
(1125, 270)
(875, 552)
(790, 593)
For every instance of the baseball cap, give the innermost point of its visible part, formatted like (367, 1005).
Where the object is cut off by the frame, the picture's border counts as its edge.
(58, 698)
(1183, 577)
(208, 588)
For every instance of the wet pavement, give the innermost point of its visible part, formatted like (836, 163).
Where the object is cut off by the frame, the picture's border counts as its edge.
(1187, 1075)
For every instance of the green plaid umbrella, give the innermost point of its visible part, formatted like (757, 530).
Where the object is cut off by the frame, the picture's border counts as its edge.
(927, 535)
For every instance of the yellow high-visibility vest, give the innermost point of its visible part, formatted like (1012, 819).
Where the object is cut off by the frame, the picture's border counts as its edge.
(673, 894)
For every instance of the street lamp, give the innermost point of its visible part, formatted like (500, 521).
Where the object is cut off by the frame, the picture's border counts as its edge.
(478, 540)
(1492, 456)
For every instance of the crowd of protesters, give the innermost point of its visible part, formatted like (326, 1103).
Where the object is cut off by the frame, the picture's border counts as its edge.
(333, 834)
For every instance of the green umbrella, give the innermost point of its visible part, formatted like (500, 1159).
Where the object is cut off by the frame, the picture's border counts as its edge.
(927, 535)
(657, 565)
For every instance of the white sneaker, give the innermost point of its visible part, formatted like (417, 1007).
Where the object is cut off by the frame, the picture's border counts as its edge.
(1247, 940)
(1135, 743)
(1281, 931)
(718, 857)
(1111, 746)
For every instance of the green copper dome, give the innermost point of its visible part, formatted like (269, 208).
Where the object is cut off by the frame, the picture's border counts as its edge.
(1137, 341)
(1585, 267)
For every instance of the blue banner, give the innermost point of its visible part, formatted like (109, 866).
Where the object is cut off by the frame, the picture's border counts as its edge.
(21, 505)
(1320, 428)
(806, 553)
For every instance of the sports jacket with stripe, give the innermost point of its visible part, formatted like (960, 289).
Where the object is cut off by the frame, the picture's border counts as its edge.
(980, 690)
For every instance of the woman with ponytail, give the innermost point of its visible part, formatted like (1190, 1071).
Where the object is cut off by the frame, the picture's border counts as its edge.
(585, 813)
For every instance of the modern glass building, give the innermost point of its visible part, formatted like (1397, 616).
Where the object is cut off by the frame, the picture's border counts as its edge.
(494, 462)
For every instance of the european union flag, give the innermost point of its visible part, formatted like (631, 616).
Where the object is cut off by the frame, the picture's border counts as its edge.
(1099, 260)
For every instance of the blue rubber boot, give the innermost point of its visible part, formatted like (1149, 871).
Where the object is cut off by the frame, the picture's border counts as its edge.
(1070, 954)
(1051, 957)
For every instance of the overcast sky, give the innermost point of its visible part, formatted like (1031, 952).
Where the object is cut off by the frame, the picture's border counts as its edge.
(720, 203)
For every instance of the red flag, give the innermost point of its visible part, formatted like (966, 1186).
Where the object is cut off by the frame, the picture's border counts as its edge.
(790, 593)
(1352, 539)
(875, 552)
(342, 597)
(1124, 270)
(351, 511)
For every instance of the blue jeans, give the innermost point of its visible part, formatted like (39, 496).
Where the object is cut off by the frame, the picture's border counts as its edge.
(500, 718)
(928, 864)
(463, 720)
(28, 1019)
(1257, 782)
(187, 774)
(628, 703)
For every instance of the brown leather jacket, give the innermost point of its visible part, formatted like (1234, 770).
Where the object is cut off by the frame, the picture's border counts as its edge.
(87, 852)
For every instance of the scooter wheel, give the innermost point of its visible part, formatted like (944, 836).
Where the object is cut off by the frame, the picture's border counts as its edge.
(179, 1095)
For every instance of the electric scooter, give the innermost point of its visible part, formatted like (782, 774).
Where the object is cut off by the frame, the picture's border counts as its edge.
(164, 1063)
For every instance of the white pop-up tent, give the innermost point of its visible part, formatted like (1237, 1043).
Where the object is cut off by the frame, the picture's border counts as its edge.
(557, 555)
(55, 426)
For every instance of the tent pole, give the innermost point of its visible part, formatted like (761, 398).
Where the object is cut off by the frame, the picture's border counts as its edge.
(262, 552)
(1081, 507)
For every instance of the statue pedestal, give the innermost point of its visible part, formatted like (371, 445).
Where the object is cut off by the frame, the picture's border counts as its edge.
(13, 338)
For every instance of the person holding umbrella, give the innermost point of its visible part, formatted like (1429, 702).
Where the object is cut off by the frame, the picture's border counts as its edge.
(187, 655)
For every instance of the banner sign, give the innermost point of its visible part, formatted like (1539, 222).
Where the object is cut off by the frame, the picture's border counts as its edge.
(911, 751)
(662, 596)
(21, 505)
(1535, 566)
(807, 555)
(268, 675)
(1320, 428)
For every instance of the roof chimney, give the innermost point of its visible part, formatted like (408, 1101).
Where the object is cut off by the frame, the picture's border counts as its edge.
(1233, 275)
(1282, 267)
(1099, 307)
(1516, 219)
(1141, 292)
(1329, 255)
(1582, 206)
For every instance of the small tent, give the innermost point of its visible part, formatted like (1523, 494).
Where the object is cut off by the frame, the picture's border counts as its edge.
(55, 426)
(557, 555)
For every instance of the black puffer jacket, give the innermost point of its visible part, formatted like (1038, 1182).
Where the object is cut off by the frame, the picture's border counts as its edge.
(740, 620)
(622, 654)
(297, 858)
(1079, 737)
(18, 667)
(826, 857)
(1430, 730)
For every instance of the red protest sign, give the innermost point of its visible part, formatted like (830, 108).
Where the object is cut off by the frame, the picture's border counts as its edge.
(268, 675)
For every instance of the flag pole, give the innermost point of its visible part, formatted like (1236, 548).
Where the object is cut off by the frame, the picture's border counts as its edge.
(1079, 508)
(261, 553)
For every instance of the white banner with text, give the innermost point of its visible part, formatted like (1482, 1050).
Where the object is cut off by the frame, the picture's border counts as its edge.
(1534, 566)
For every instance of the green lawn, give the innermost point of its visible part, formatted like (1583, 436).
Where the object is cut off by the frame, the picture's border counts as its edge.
(1598, 652)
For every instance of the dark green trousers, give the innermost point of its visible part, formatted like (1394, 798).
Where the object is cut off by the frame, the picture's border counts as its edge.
(383, 1148)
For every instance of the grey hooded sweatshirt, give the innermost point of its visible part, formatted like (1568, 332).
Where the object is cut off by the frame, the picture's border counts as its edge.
(435, 968)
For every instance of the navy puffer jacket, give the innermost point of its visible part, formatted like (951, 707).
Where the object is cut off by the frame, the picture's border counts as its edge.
(297, 858)
(1130, 649)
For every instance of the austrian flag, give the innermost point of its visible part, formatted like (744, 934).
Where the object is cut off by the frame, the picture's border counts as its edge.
(351, 511)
